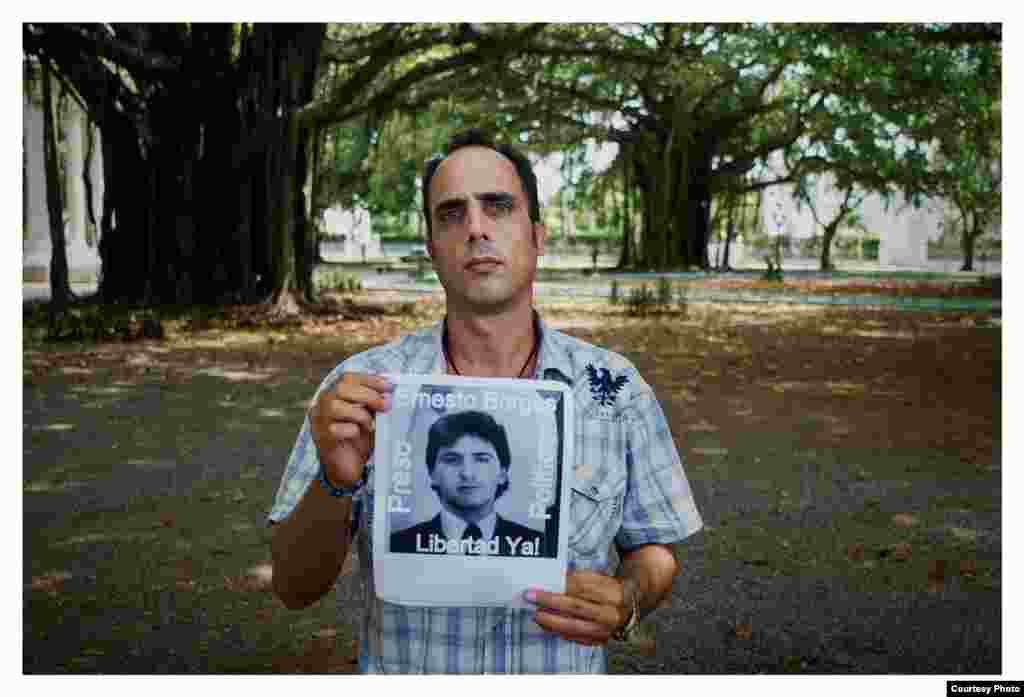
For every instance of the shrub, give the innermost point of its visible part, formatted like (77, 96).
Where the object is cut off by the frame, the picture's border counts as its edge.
(664, 292)
(681, 299)
(810, 246)
(340, 282)
(614, 297)
(773, 273)
(640, 300)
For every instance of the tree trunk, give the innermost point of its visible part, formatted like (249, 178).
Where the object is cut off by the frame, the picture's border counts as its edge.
(626, 257)
(203, 188)
(295, 71)
(699, 235)
(826, 245)
(729, 235)
(967, 239)
(730, 231)
(60, 286)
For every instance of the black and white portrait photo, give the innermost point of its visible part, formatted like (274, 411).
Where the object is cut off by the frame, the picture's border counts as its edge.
(477, 473)
(471, 490)
(468, 461)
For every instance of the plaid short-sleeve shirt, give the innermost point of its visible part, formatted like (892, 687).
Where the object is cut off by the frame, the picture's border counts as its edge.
(628, 488)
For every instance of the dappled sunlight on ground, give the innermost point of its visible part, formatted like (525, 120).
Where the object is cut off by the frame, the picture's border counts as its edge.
(235, 375)
(57, 427)
(49, 487)
(806, 432)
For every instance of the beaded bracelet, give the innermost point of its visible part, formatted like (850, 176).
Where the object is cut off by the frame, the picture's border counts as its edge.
(326, 485)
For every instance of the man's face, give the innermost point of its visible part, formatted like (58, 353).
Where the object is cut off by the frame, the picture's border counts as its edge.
(466, 476)
(483, 245)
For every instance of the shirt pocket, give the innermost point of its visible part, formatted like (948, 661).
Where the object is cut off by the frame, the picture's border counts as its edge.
(596, 513)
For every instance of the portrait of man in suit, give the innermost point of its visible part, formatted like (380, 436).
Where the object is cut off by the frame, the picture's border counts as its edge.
(468, 462)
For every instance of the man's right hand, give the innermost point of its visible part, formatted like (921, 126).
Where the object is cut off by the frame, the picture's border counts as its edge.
(342, 422)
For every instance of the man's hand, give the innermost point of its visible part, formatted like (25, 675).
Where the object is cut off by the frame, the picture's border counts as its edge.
(592, 608)
(342, 424)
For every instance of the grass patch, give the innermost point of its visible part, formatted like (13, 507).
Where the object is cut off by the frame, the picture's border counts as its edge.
(193, 567)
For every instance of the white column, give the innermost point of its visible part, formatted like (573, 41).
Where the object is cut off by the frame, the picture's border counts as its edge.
(83, 259)
(96, 177)
(74, 185)
(36, 236)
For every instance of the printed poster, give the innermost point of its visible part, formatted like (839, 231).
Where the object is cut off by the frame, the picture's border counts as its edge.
(471, 490)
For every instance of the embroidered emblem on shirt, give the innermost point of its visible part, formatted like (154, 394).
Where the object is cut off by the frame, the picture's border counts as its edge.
(604, 388)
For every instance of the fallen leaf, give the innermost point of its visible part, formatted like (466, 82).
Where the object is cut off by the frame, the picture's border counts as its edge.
(964, 535)
(326, 633)
(645, 646)
(904, 520)
(744, 631)
(968, 568)
(261, 576)
(901, 551)
(936, 575)
(183, 585)
(855, 552)
(167, 520)
(709, 451)
(51, 582)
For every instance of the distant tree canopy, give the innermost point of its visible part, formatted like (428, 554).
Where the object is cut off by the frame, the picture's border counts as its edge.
(223, 143)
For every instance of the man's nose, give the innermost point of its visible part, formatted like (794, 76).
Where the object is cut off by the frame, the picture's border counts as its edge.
(476, 221)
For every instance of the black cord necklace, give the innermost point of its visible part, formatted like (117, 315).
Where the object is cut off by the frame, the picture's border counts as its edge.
(451, 360)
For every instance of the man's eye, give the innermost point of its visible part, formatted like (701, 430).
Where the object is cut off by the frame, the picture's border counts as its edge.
(501, 206)
(450, 215)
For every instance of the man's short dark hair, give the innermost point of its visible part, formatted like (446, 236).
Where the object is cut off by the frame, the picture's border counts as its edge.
(478, 138)
(447, 430)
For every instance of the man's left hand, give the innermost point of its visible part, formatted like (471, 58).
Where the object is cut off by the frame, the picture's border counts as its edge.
(592, 608)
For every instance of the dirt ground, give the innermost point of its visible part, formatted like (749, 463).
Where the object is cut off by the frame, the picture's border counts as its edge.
(847, 463)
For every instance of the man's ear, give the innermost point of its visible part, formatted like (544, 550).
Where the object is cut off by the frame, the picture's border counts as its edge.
(540, 233)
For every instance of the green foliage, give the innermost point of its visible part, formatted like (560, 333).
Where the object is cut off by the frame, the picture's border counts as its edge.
(992, 284)
(339, 282)
(681, 299)
(397, 233)
(613, 297)
(773, 273)
(810, 246)
(640, 300)
(664, 292)
(869, 248)
(96, 323)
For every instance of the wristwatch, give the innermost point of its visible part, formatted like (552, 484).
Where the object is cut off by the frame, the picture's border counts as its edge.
(629, 628)
(334, 491)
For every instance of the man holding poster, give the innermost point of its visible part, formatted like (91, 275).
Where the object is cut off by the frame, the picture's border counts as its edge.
(630, 497)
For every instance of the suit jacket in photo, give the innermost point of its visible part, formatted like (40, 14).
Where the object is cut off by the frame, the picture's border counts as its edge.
(405, 540)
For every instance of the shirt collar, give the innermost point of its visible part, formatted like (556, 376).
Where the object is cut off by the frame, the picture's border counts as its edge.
(453, 526)
(549, 357)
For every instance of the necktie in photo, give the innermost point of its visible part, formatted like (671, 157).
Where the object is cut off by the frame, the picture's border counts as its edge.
(472, 532)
